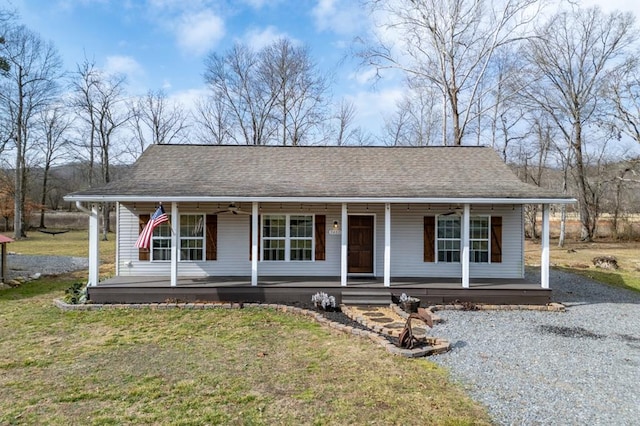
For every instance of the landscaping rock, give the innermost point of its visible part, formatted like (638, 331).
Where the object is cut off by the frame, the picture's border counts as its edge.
(605, 262)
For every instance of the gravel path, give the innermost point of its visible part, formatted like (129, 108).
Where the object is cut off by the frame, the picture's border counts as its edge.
(576, 367)
(19, 265)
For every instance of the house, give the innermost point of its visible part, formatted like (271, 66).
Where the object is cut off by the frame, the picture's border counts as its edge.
(267, 223)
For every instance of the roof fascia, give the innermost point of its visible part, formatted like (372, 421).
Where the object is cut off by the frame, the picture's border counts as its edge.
(392, 200)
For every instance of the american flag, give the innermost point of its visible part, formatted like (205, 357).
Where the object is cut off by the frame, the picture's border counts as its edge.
(144, 240)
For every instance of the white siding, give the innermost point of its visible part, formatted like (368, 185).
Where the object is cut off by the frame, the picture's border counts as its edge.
(406, 242)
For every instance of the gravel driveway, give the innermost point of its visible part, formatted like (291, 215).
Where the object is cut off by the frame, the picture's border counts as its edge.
(576, 367)
(20, 265)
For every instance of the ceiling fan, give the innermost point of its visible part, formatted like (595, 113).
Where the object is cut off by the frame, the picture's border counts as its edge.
(457, 211)
(233, 209)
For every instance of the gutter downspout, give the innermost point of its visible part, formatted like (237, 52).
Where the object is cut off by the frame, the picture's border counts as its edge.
(94, 235)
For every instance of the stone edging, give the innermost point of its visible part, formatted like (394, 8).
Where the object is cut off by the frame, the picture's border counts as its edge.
(440, 346)
(551, 307)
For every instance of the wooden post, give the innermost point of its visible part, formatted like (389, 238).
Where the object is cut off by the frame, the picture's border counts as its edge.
(387, 245)
(175, 240)
(254, 243)
(345, 241)
(4, 262)
(465, 246)
(544, 261)
(94, 238)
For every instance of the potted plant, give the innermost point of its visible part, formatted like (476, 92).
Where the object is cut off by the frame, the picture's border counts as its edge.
(323, 301)
(408, 303)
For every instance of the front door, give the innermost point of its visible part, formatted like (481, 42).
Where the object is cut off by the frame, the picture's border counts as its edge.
(360, 247)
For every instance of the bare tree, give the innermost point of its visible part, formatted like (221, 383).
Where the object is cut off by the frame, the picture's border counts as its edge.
(213, 121)
(31, 86)
(299, 87)
(52, 126)
(275, 95)
(571, 60)
(155, 120)
(449, 43)
(101, 103)
(345, 117)
(234, 78)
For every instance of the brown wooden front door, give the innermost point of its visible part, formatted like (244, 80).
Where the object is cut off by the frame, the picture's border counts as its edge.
(360, 248)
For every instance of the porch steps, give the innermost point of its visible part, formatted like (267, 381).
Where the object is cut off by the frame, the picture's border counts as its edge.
(366, 297)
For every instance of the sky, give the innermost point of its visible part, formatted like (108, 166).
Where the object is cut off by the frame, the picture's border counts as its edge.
(162, 44)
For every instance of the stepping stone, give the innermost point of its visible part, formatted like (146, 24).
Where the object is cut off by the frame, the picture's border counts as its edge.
(395, 325)
(383, 319)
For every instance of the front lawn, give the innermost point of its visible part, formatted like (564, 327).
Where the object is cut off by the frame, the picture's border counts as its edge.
(189, 367)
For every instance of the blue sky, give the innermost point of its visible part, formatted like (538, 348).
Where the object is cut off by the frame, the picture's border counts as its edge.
(162, 43)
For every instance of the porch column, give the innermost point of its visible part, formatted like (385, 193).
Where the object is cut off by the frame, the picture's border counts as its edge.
(387, 245)
(345, 239)
(175, 229)
(254, 243)
(465, 246)
(544, 261)
(94, 252)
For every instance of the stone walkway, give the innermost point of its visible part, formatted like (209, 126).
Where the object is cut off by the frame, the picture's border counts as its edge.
(387, 320)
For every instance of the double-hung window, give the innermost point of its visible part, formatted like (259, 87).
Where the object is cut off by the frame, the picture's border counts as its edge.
(161, 242)
(479, 239)
(449, 239)
(287, 237)
(191, 237)
(191, 234)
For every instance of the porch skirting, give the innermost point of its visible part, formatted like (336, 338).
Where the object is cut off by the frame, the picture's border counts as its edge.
(298, 290)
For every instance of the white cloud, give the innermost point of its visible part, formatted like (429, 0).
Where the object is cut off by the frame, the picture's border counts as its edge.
(257, 38)
(124, 65)
(372, 107)
(198, 32)
(259, 4)
(188, 98)
(340, 16)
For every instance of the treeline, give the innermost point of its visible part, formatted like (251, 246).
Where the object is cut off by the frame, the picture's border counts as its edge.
(554, 91)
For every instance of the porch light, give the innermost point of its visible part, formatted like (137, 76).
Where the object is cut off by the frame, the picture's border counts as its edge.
(336, 225)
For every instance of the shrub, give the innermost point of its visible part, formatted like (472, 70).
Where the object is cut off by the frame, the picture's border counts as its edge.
(323, 301)
(76, 294)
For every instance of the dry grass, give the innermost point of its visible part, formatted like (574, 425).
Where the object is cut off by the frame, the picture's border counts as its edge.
(249, 366)
(577, 257)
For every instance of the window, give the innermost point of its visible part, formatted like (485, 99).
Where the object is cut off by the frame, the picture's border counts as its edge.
(449, 239)
(479, 239)
(287, 237)
(274, 237)
(190, 235)
(161, 242)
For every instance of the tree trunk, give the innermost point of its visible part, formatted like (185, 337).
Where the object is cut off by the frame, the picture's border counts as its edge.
(43, 199)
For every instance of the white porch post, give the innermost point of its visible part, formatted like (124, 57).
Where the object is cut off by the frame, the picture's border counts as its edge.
(94, 251)
(544, 261)
(343, 252)
(254, 243)
(465, 246)
(175, 225)
(387, 245)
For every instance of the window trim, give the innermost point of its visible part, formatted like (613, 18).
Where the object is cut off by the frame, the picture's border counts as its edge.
(288, 238)
(180, 238)
(471, 261)
(203, 238)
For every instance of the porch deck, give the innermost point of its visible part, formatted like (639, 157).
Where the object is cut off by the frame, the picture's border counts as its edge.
(157, 289)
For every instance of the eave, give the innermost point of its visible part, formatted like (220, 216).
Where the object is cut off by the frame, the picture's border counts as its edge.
(391, 200)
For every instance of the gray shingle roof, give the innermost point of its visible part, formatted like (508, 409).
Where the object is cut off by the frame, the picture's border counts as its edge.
(167, 171)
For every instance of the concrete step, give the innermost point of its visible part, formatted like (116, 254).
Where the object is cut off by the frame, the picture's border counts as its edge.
(366, 297)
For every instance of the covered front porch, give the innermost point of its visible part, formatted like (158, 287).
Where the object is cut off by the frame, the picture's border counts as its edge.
(391, 242)
(296, 290)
